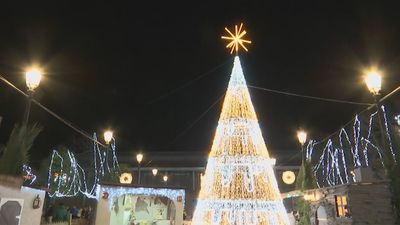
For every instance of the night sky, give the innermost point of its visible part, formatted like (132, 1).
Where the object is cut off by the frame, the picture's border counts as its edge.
(150, 72)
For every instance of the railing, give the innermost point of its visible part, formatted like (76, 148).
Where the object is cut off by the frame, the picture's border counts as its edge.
(70, 221)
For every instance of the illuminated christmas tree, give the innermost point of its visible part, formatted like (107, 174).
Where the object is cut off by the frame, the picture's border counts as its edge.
(239, 186)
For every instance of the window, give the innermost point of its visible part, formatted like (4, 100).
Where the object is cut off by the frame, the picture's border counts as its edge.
(342, 209)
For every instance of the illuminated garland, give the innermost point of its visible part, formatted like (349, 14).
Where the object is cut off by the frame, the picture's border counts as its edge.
(239, 211)
(332, 166)
(397, 118)
(28, 175)
(116, 192)
(239, 186)
(387, 133)
(62, 183)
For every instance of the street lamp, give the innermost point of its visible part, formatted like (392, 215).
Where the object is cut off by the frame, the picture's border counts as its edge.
(154, 171)
(32, 77)
(108, 135)
(139, 158)
(165, 179)
(373, 80)
(302, 136)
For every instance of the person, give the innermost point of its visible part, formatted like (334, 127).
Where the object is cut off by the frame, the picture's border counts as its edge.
(89, 213)
(74, 212)
(90, 216)
(80, 211)
(49, 214)
(61, 213)
(84, 210)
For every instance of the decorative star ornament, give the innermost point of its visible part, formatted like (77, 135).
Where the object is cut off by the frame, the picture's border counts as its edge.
(236, 40)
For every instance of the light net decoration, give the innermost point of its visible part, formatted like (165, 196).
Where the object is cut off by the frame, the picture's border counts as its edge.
(239, 186)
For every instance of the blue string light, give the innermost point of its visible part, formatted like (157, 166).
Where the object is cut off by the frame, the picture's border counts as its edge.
(388, 134)
(331, 167)
(73, 182)
(28, 175)
(115, 192)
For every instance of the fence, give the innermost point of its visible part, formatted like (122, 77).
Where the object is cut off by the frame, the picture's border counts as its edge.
(69, 222)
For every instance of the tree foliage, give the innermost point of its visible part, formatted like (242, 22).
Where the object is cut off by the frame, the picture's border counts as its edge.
(305, 180)
(16, 151)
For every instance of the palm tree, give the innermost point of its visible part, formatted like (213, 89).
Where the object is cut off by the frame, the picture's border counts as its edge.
(15, 153)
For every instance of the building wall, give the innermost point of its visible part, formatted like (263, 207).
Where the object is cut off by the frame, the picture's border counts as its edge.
(371, 204)
(29, 215)
(189, 179)
(368, 203)
(329, 206)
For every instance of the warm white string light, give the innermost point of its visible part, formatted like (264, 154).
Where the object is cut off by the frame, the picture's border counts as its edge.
(239, 185)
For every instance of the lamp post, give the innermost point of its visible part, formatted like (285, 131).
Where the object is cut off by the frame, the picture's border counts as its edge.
(165, 179)
(139, 158)
(108, 136)
(302, 137)
(373, 80)
(32, 77)
(154, 171)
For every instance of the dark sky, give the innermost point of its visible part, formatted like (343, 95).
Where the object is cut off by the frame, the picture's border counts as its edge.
(123, 66)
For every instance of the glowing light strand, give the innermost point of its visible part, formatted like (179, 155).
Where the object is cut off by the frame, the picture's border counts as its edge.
(239, 186)
(397, 118)
(368, 137)
(309, 149)
(28, 174)
(344, 165)
(73, 182)
(387, 134)
(377, 150)
(332, 167)
(356, 133)
(116, 192)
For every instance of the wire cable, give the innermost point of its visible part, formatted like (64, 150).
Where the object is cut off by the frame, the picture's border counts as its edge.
(290, 159)
(189, 82)
(366, 109)
(310, 97)
(196, 120)
(69, 124)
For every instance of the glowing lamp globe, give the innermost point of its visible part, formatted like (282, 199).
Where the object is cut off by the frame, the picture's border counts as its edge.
(108, 135)
(373, 80)
(139, 157)
(125, 178)
(302, 136)
(165, 178)
(288, 177)
(33, 77)
(154, 171)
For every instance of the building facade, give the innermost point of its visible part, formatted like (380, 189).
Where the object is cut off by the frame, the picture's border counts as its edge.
(184, 170)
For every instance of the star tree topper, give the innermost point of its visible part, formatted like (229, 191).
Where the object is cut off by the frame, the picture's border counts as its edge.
(236, 40)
